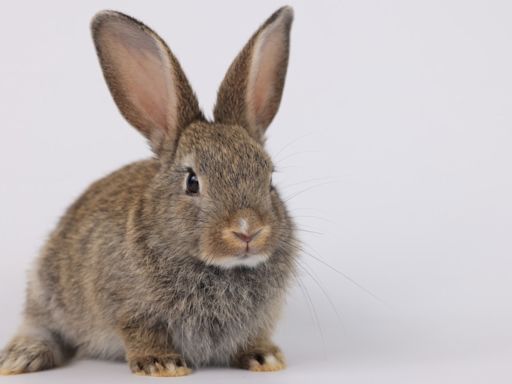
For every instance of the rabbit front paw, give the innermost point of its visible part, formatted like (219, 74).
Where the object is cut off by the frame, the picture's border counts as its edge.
(160, 366)
(267, 359)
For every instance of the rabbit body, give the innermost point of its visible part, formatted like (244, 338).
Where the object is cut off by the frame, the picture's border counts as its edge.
(182, 260)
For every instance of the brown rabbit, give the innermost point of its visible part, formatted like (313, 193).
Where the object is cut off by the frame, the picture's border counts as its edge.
(182, 260)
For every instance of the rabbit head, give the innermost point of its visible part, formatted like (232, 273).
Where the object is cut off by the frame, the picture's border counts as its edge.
(212, 195)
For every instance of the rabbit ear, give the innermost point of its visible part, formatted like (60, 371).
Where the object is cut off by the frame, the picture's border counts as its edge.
(145, 79)
(250, 93)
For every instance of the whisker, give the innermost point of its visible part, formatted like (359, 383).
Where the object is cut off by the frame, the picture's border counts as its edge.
(308, 189)
(293, 155)
(312, 217)
(301, 230)
(279, 168)
(347, 277)
(324, 179)
(315, 279)
(291, 143)
(312, 309)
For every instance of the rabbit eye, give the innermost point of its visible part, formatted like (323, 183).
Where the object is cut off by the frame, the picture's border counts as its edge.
(192, 183)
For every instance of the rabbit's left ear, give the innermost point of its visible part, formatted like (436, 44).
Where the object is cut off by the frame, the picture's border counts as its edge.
(251, 92)
(145, 79)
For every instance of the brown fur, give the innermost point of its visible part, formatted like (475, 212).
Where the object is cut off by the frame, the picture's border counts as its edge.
(138, 268)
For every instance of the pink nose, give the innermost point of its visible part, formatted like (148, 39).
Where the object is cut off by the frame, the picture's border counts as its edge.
(246, 237)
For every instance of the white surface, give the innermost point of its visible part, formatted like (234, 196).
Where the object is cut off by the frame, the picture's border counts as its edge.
(396, 121)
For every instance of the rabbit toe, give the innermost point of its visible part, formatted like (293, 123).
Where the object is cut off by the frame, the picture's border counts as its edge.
(159, 366)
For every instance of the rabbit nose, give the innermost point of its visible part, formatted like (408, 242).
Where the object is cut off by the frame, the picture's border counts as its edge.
(247, 237)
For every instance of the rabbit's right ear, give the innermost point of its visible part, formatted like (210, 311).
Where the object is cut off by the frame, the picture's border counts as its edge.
(251, 91)
(145, 79)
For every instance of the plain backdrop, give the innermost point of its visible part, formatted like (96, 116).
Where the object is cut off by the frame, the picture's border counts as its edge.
(394, 150)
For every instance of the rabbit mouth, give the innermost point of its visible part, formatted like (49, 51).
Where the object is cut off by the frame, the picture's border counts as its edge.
(248, 254)
(246, 259)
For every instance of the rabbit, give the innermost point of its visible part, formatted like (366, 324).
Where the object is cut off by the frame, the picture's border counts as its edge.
(182, 260)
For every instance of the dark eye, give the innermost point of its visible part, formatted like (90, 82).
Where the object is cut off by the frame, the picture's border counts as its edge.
(192, 183)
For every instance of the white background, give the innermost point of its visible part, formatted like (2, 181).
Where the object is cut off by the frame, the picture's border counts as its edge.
(393, 141)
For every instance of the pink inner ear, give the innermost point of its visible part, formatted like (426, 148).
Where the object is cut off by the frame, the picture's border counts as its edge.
(269, 55)
(142, 71)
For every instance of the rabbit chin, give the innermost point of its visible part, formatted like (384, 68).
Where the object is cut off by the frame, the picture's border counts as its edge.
(248, 261)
